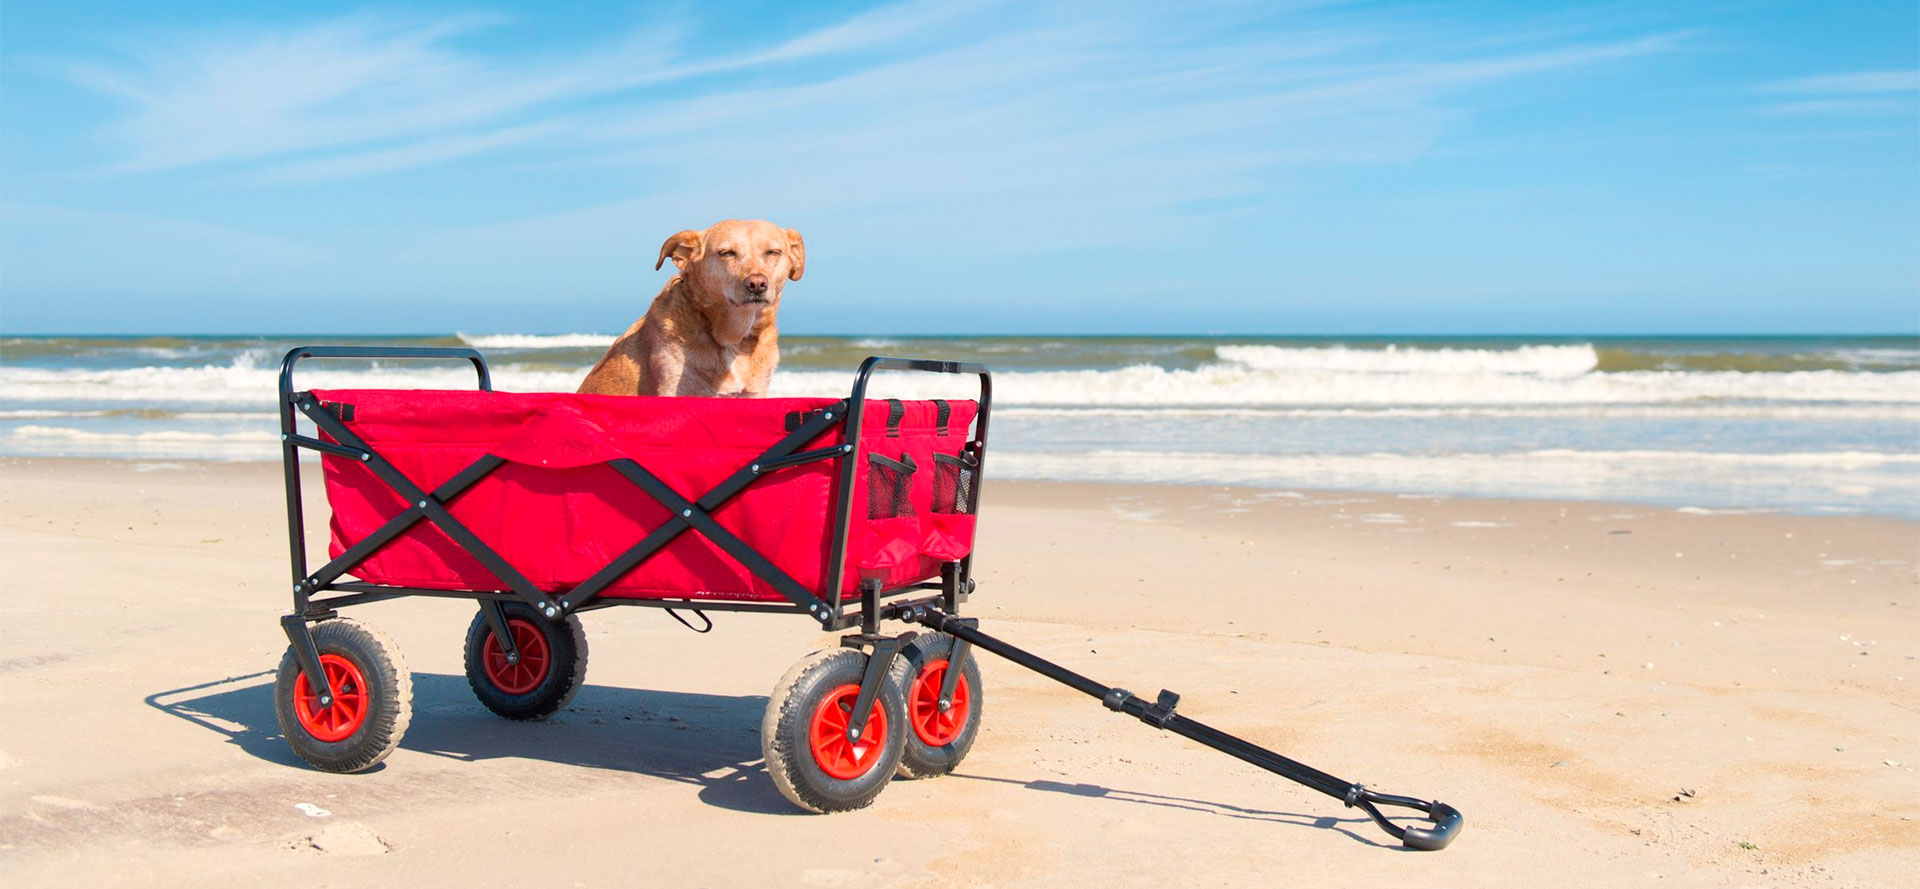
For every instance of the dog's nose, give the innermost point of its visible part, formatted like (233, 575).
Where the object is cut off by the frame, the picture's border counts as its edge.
(756, 284)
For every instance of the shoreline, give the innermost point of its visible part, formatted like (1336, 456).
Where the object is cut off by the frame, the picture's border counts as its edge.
(1606, 690)
(308, 461)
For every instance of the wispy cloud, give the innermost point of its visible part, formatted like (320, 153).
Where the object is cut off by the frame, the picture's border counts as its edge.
(1850, 92)
(366, 81)
(369, 94)
(1849, 82)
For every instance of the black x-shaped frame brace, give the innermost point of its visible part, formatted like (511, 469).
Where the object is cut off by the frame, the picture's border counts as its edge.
(684, 515)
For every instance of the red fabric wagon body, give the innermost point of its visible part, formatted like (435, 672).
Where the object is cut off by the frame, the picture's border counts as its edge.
(558, 513)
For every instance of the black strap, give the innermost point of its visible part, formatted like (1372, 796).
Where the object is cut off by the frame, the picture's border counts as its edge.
(895, 411)
(685, 623)
(942, 413)
(904, 465)
(341, 410)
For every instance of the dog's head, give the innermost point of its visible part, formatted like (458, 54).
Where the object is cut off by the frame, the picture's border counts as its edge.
(743, 262)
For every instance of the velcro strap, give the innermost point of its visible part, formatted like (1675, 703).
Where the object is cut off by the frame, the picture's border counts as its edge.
(895, 411)
(340, 410)
(943, 412)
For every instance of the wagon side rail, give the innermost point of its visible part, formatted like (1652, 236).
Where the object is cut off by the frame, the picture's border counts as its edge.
(291, 443)
(842, 518)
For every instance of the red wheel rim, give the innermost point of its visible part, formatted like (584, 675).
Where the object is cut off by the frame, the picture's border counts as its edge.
(934, 727)
(531, 670)
(343, 717)
(827, 735)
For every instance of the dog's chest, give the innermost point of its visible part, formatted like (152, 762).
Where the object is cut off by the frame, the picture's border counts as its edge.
(738, 372)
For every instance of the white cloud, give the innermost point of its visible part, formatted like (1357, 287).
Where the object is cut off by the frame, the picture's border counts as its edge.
(1845, 93)
(369, 94)
(1851, 82)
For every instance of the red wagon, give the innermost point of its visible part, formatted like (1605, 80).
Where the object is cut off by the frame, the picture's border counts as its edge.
(540, 507)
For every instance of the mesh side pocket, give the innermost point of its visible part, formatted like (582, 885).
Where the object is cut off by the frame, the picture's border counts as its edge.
(953, 483)
(888, 483)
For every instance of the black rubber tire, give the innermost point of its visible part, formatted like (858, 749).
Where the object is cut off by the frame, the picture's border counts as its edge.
(389, 693)
(919, 759)
(787, 727)
(566, 667)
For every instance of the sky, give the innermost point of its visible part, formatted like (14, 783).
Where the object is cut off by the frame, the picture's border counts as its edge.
(966, 167)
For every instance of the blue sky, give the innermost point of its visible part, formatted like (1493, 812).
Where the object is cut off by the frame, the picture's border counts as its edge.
(966, 166)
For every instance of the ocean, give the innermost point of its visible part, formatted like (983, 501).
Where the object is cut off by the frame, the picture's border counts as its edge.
(1800, 424)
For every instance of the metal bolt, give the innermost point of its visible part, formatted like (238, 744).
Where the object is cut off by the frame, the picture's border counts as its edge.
(283, 436)
(515, 658)
(754, 468)
(326, 701)
(423, 504)
(687, 513)
(365, 457)
(945, 705)
(828, 415)
(853, 733)
(550, 611)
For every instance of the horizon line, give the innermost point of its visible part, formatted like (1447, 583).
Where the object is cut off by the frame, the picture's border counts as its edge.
(1911, 334)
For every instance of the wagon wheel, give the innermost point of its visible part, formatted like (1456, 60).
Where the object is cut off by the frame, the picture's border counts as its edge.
(940, 736)
(550, 669)
(372, 699)
(805, 740)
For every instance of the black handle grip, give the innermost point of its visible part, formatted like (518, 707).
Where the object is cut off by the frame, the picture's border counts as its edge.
(1446, 826)
(1446, 819)
(295, 355)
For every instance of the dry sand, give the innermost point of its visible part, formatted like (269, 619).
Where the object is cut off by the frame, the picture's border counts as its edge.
(1564, 673)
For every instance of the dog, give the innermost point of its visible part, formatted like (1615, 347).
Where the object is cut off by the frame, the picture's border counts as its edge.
(712, 329)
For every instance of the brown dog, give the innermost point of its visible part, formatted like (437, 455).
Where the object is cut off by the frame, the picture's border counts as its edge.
(711, 330)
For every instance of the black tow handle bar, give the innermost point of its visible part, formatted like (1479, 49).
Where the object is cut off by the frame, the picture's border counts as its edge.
(1445, 820)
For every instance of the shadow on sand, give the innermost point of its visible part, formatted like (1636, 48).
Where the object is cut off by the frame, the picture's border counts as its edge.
(711, 741)
(1322, 822)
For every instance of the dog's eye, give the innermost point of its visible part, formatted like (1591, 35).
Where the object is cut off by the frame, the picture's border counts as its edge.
(728, 253)
(773, 253)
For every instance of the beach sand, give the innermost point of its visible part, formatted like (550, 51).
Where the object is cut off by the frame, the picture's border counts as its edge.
(1615, 695)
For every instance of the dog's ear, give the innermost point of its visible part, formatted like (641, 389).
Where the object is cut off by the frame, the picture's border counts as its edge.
(683, 247)
(796, 255)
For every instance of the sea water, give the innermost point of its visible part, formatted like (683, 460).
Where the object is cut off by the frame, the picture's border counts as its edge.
(1804, 424)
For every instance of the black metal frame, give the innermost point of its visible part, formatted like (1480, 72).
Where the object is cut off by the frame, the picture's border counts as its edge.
(938, 613)
(827, 607)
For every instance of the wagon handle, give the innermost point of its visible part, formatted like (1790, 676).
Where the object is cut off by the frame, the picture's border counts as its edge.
(443, 352)
(1163, 714)
(850, 435)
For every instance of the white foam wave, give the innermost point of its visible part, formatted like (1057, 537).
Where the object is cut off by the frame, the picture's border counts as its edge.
(1834, 459)
(1545, 361)
(1235, 385)
(1841, 481)
(60, 441)
(249, 383)
(1695, 411)
(36, 414)
(537, 341)
(63, 433)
